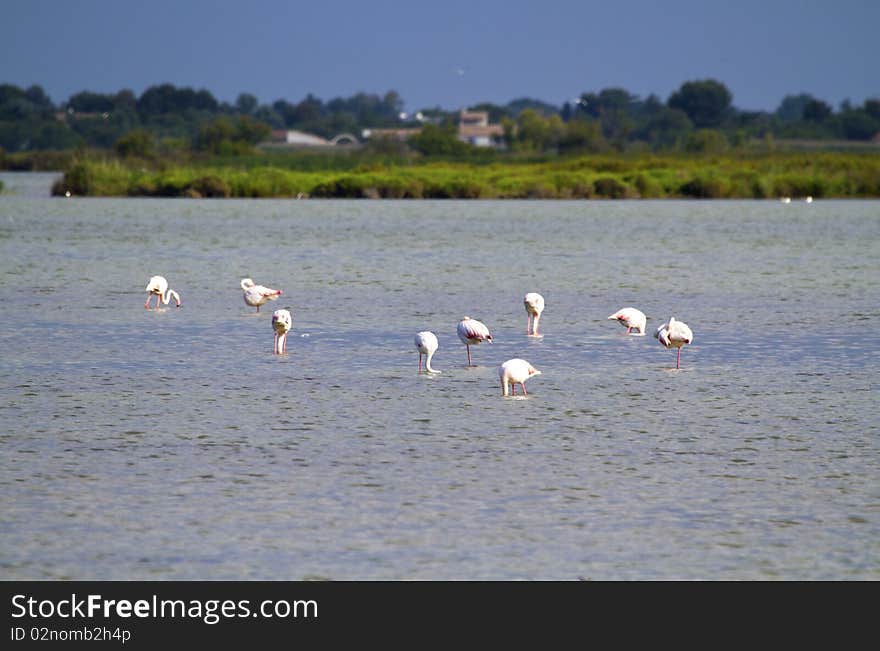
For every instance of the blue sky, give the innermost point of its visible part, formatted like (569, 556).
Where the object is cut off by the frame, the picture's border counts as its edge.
(449, 54)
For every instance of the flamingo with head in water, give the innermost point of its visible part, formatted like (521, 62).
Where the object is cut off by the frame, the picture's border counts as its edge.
(534, 304)
(282, 322)
(515, 371)
(674, 334)
(472, 332)
(427, 344)
(257, 295)
(631, 319)
(158, 286)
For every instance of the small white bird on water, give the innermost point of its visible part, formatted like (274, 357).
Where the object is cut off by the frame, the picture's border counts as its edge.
(427, 344)
(282, 322)
(534, 304)
(472, 332)
(632, 319)
(158, 287)
(257, 295)
(674, 334)
(515, 371)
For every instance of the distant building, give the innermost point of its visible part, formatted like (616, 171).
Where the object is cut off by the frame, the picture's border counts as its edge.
(474, 128)
(299, 138)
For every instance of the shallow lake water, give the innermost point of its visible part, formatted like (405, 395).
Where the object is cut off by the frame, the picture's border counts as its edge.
(173, 443)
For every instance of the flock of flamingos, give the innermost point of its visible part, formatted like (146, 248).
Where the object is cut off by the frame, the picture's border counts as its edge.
(672, 334)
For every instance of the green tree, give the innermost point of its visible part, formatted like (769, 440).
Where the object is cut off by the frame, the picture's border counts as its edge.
(137, 143)
(582, 136)
(791, 109)
(436, 140)
(534, 132)
(246, 104)
(817, 111)
(706, 102)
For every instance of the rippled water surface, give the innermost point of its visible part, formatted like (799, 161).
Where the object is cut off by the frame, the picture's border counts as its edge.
(172, 444)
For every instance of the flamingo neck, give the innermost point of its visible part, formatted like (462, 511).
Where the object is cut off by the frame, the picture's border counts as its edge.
(169, 294)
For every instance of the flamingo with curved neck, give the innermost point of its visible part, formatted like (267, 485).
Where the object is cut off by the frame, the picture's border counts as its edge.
(282, 322)
(534, 304)
(515, 371)
(632, 319)
(427, 344)
(158, 287)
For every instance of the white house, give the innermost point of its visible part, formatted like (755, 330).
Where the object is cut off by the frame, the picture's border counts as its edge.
(474, 128)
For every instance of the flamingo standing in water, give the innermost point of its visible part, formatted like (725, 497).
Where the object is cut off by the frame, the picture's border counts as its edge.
(427, 344)
(158, 286)
(534, 304)
(257, 295)
(674, 334)
(282, 322)
(631, 319)
(515, 371)
(471, 331)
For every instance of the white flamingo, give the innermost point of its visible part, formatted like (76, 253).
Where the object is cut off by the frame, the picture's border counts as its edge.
(515, 371)
(534, 304)
(674, 334)
(257, 295)
(427, 344)
(282, 322)
(631, 319)
(158, 286)
(472, 332)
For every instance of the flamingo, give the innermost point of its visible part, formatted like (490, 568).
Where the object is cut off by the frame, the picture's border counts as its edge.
(159, 286)
(674, 333)
(282, 322)
(534, 304)
(515, 371)
(257, 295)
(471, 331)
(427, 344)
(631, 319)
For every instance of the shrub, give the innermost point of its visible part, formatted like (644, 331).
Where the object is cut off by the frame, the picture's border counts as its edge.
(611, 188)
(704, 187)
(211, 187)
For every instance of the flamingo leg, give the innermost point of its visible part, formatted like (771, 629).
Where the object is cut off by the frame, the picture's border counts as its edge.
(523, 385)
(678, 359)
(469, 354)
(258, 308)
(513, 388)
(420, 362)
(528, 324)
(147, 304)
(275, 345)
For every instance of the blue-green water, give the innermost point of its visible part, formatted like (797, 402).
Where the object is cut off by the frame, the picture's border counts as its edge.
(173, 444)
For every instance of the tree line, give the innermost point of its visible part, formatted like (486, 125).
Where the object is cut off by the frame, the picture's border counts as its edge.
(699, 116)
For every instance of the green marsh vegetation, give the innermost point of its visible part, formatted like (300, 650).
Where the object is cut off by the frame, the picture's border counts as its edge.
(745, 175)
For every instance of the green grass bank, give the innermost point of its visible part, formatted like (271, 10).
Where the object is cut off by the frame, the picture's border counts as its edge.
(816, 174)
